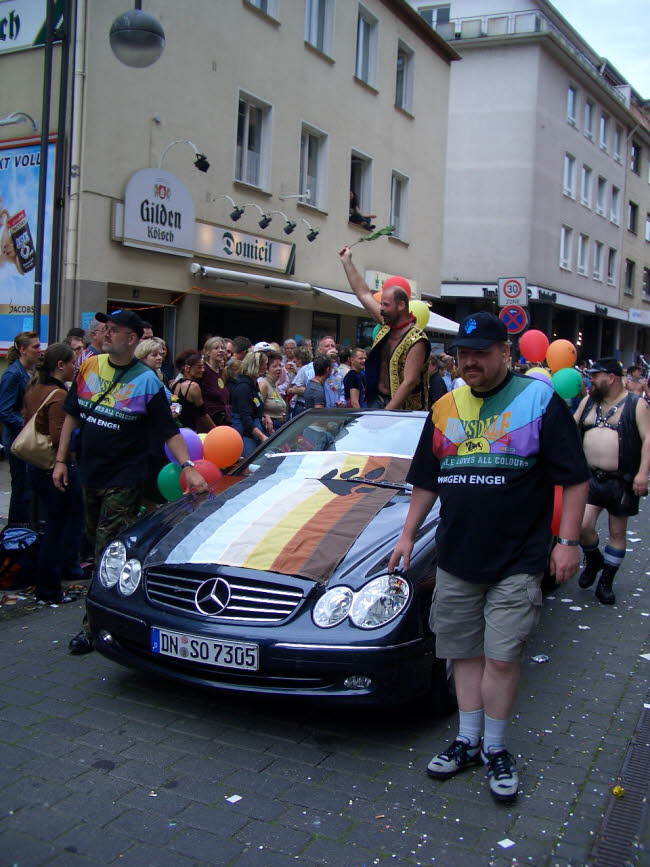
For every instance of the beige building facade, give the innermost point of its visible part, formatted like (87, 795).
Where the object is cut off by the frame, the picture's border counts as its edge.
(294, 103)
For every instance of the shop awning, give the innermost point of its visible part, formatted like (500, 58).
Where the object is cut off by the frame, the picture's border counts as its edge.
(437, 323)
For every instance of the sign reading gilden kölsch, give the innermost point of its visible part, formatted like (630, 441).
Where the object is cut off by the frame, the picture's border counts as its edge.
(158, 213)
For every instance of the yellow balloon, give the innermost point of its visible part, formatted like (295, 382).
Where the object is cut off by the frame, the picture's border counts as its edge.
(421, 312)
(202, 437)
(531, 372)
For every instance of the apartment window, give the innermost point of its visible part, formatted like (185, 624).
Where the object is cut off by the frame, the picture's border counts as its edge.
(319, 19)
(360, 180)
(270, 7)
(404, 77)
(366, 57)
(616, 147)
(583, 253)
(585, 186)
(566, 246)
(615, 210)
(601, 195)
(647, 227)
(628, 285)
(438, 18)
(611, 266)
(632, 217)
(598, 260)
(635, 157)
(253, 141)
(604, 131)
(645, 288)
(589, 119)
(398, 204)
(571, 104)
(313, 166)
(569, 181)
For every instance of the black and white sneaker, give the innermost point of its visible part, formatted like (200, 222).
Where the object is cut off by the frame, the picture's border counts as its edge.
(502, 776)
(458, 756)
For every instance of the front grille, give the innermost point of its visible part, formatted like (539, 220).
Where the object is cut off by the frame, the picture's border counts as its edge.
(251, 599)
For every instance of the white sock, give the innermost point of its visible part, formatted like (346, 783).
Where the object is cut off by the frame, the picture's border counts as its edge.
(470, 725)
(494, 735)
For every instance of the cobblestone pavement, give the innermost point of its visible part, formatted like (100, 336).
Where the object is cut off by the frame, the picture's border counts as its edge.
(101, 765)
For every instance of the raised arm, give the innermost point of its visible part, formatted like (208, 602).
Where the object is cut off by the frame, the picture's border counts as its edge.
(359, 285)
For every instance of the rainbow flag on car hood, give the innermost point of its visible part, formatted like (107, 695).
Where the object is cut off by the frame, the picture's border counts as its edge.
(298, 514)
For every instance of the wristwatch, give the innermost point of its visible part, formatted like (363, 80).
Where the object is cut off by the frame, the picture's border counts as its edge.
(191, 464)
(571, 543)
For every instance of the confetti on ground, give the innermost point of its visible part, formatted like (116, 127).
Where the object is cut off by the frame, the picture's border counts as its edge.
(584, 627)
(618, 791)
(634, 539)
(566, 600)
(234, 798)
(645, 656)
(541, 657)
(380, 816)
(646, 704)
(506, 843)
(152, 795)
(575, 607)
(645, 614)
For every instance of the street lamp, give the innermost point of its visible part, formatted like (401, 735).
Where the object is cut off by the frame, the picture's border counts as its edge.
(201, 161)
(137, 38)
(18, 117)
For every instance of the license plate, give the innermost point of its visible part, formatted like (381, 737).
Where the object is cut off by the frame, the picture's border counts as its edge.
(209, 651)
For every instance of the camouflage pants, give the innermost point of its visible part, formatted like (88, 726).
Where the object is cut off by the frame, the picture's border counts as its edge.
(108, 511)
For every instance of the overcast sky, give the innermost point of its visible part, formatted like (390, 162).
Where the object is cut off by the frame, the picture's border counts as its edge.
(618, 30)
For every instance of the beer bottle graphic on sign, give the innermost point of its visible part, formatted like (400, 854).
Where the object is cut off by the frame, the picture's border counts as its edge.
(23, 243)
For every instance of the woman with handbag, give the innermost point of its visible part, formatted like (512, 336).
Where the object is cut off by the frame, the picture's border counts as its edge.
(59, 554)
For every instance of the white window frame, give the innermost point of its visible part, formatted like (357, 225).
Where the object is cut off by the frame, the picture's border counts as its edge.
(636, 156)
(399, 200)
(617, 140)
(601, 195)
(365, 58)
(611, 266)
(615, 206)
(266, 7)
(242, 172)
(603, 131)
(582, 258)
(645, 284)
(572, 104)
(569, 176)
(319, 25)
(647, 226)
(585, 185)
(364, 193)
(628, 277)
(316, 184)
(589, 119)
(404, 93)
(632, 209)
(566, 247)
(432, 19)
(598, 260)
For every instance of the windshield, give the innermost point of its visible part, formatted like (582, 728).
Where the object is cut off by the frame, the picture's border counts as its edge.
(369, 433)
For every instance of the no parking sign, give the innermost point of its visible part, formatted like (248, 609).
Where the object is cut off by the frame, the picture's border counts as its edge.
(514, 317)
(513, 290)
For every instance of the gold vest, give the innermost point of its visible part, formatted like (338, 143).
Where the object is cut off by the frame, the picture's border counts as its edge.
(418, 398)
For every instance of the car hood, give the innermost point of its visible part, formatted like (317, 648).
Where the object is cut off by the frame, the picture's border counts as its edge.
(306, 515)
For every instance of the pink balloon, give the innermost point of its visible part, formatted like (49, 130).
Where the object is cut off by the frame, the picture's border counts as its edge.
(533, 345)
(193, 443)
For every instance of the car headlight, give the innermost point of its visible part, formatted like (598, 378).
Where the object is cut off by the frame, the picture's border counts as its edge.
(379, 601)
(332, 607)
(130, 576)
(112, 563)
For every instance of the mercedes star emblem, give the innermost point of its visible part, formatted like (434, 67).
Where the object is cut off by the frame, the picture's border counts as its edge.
(213, 596)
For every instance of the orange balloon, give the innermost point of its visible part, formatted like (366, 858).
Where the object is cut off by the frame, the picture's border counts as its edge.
(223, 446)
(377, 297)
(561, 353)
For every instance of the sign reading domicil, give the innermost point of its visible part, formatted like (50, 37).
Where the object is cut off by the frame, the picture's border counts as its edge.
(158, 213)
(220, 243)
(22, 23)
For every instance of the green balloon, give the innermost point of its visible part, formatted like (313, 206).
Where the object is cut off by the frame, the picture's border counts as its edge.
(567, 382)
(375, 331)
(169, 482)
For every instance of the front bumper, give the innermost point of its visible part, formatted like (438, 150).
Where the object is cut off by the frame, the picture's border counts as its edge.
(398, 671)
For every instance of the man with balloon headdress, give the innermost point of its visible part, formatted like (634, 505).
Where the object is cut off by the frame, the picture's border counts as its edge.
(396, 368)
(615, 428)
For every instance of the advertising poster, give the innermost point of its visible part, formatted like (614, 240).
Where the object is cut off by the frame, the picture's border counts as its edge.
(22, 23)
(19, 171)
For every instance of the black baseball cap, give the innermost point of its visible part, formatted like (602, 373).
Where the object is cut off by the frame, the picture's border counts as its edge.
(125, 318)
(480, 331)
(606, 365)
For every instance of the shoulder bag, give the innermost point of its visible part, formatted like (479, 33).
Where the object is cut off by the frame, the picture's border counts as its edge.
(34, 447)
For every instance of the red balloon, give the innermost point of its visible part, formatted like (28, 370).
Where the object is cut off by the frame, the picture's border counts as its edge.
(397, 281)
(209, 472)
(557, 510)
(223, 446)
(533, 345)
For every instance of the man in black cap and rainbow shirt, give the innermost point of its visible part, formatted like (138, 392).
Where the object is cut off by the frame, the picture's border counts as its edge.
(492, 450)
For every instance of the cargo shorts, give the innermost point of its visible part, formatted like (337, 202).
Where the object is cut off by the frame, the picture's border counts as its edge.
(492, 620)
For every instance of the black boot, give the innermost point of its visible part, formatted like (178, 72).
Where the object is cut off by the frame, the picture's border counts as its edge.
(594, 562)
(604, 592)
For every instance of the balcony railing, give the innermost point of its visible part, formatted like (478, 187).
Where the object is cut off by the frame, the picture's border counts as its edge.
(517, 23)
